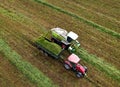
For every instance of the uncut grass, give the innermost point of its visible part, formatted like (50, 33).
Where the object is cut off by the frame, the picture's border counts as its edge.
(97, 43)
(86, 13)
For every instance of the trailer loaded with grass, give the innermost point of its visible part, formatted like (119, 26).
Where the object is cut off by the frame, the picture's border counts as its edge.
(71, 61)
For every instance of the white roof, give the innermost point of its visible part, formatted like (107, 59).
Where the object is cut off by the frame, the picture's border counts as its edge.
(74, 58)
(60, 31)
(73, 35)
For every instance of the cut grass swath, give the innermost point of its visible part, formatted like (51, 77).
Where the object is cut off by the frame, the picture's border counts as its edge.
(97, 26)
(25, 67)
(103, 66)
(16, 17)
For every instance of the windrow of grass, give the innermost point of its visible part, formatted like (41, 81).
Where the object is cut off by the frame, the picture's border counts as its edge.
(31, 72)
(97, 26)
(99, 63)
(16, 17)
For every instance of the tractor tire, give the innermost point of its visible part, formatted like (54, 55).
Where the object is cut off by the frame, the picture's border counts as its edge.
(67, 66)
(79, 74)
(85, 68)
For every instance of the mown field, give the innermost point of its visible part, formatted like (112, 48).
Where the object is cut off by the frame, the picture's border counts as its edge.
(97, 25)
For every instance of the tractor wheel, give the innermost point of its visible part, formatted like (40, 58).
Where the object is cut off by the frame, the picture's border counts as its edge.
(79, 75)
(85, 68)
(66, 66)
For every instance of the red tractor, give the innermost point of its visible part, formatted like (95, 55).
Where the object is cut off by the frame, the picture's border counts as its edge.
(72, 63)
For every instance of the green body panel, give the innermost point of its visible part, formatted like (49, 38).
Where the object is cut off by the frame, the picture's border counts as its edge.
(74, 46)
(57, 36)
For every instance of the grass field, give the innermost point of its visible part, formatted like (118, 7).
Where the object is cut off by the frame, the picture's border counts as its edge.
(32, 73)
(12, 77)
(90, 11)
(21, 21)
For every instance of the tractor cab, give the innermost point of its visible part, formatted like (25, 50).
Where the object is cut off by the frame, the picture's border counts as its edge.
(73, 59)
(73, 63)
(71, 36)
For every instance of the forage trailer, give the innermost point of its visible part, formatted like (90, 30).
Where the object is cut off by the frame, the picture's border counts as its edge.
(70, 61)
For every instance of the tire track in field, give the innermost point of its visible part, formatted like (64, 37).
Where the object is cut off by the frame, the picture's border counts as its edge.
(88, 22)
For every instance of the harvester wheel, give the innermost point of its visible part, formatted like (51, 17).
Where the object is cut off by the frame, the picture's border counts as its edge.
(79, 75)
(66, 66)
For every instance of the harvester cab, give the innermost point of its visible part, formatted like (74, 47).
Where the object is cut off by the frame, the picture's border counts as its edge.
(73, 63)
(64, 39)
